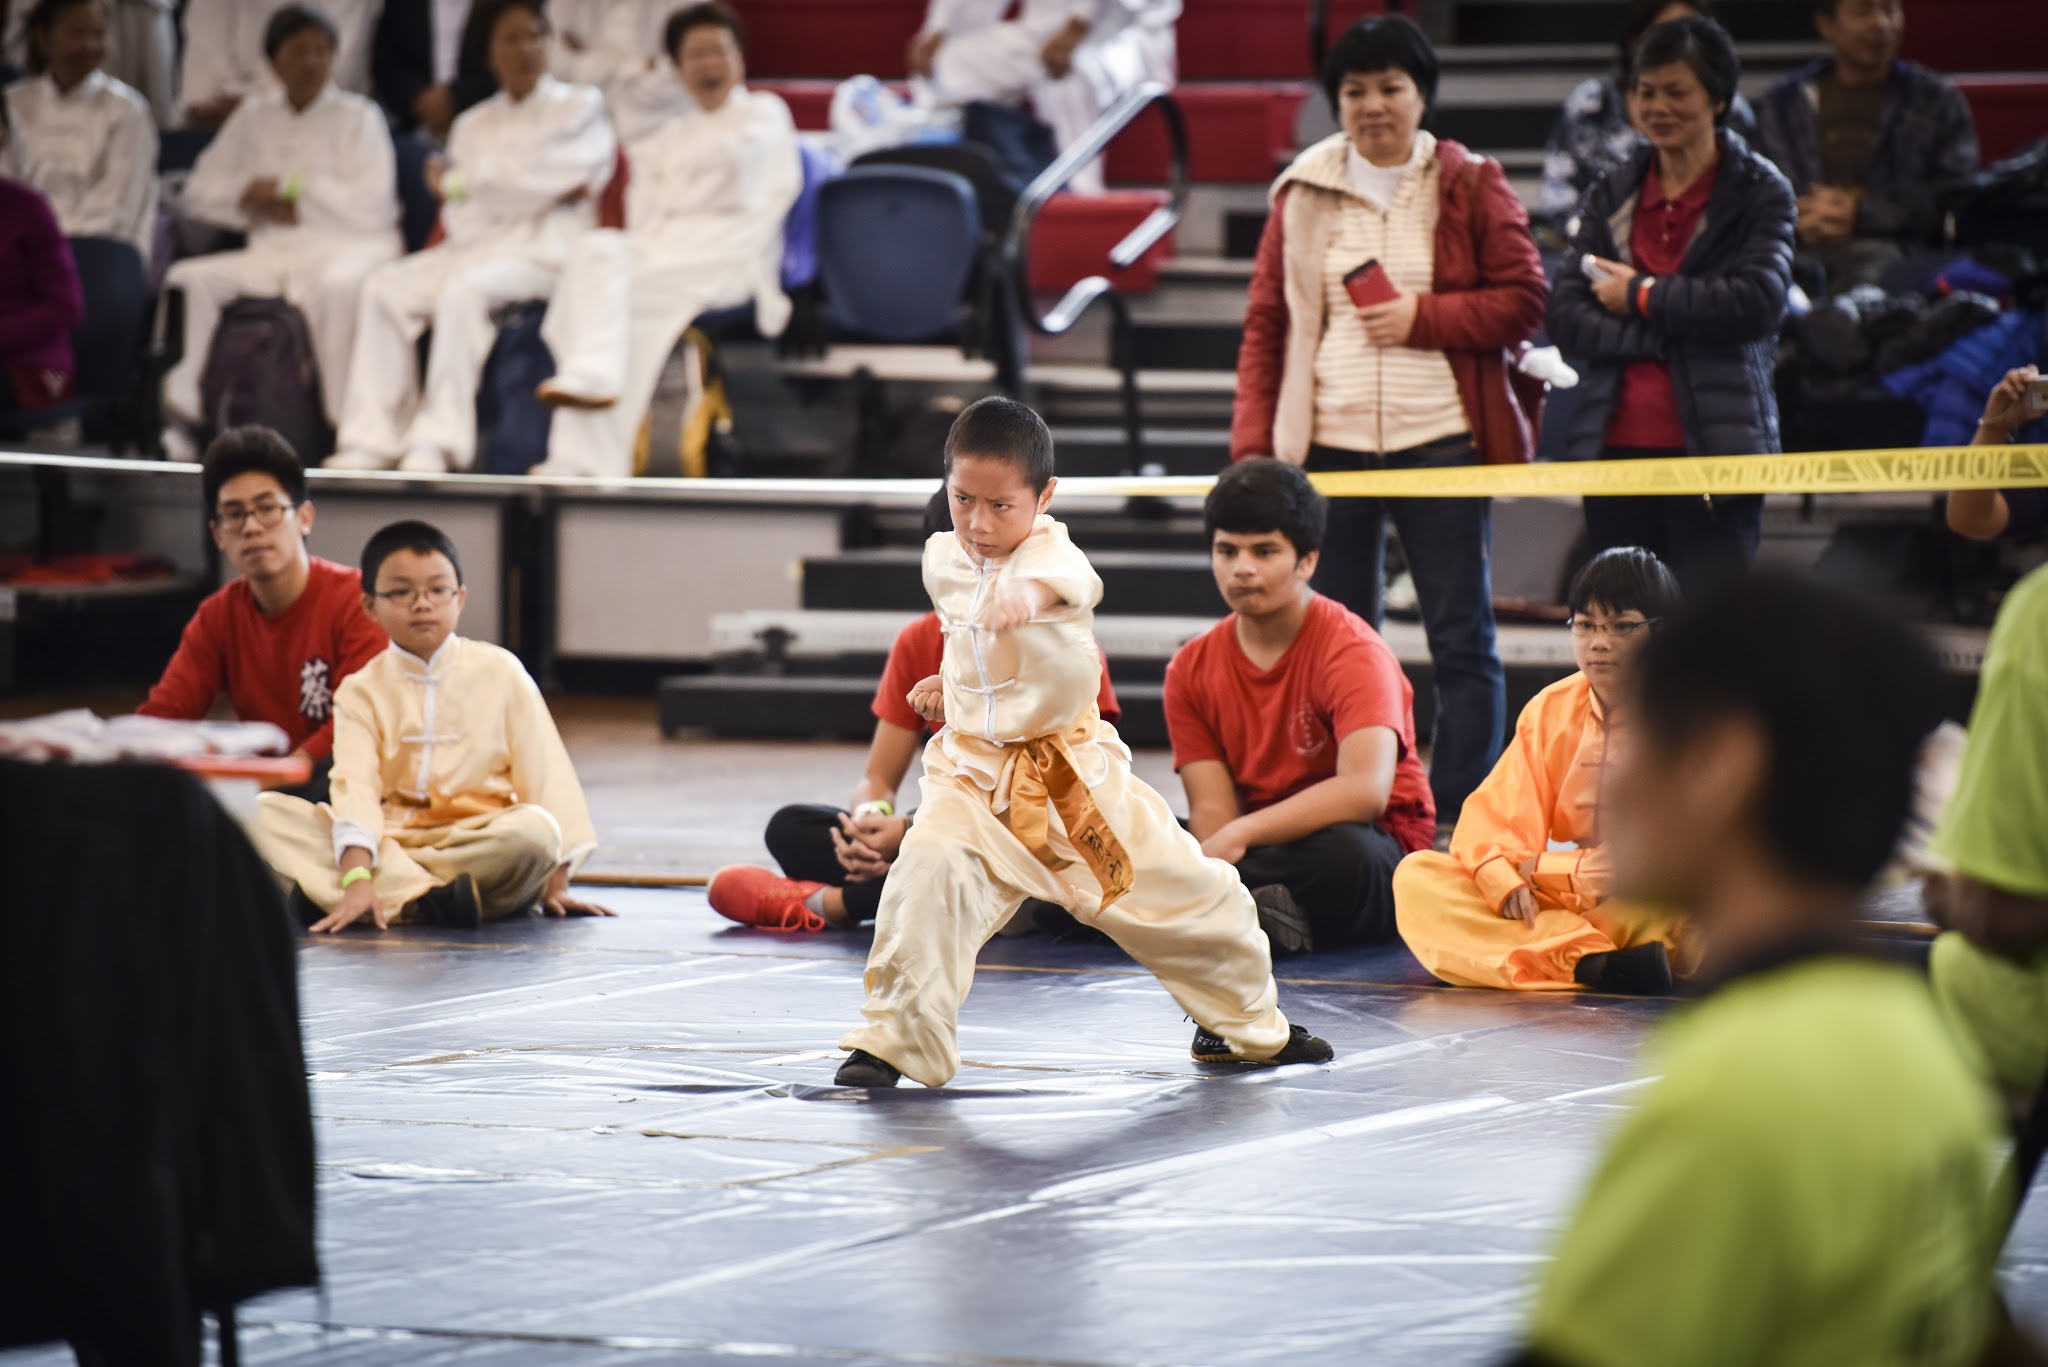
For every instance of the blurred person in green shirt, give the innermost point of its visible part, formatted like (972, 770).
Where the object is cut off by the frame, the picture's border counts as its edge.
(1810, 1180)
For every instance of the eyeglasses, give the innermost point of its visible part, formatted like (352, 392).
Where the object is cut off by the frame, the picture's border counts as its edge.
(438, 595)
(1620, 631)
(266, 514)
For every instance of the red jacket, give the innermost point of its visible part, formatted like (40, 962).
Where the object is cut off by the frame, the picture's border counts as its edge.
(1489, 296)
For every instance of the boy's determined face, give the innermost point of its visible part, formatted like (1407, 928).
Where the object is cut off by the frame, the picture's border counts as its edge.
(1258, 573)
(417, 600)
(994, 505)
(258, 527)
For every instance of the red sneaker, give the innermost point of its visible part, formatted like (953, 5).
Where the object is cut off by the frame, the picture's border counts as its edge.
(763, 899)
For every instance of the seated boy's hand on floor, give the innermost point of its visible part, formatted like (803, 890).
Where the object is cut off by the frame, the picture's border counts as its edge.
(927, 698)
(358, 901)
(556, 901)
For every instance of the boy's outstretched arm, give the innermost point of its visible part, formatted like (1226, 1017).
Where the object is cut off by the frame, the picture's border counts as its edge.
(1019, 605)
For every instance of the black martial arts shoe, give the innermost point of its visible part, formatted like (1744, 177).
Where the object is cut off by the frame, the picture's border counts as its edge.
(863, 1069)
(1301, 1047)
(451, 904)
(1281, 917)
(1640, 971)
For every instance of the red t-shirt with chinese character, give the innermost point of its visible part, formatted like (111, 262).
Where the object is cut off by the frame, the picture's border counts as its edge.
(281, 669)
(1278, 731)
(915, 656)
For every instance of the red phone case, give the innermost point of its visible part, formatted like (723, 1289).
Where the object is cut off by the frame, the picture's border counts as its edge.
(1368, 285)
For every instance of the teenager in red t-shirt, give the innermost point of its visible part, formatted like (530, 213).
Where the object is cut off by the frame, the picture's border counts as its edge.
(1293, 726)
(279, 639)
(835, 858)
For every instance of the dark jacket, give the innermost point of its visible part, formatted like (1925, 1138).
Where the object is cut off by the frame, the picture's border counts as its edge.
(1715, 323)
(1925, 140)
(402, 60)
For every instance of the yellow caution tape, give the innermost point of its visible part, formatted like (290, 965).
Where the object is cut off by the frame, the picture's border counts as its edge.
(1903, 470)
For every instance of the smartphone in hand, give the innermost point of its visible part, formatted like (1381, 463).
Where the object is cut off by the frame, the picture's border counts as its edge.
(1369, 284)
(2037, 398)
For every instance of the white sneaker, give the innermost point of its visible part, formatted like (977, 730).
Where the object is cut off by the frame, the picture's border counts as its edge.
(423, 460)
(180, 445)
(355, 460)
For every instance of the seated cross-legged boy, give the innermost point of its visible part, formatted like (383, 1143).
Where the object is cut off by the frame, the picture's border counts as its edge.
(1029, 793)
(1521, 901)
(1808, 1178)
(280, 638)
(834, 860)
(1293, 726)
(454, 800)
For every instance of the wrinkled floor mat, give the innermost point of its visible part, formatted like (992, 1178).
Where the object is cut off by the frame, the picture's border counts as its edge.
(618, 1141)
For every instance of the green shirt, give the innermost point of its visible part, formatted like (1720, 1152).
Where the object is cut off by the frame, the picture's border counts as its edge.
(1996, 827)
(1809, 1182)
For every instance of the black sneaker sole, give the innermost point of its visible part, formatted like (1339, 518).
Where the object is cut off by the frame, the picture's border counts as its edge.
(1281, 917)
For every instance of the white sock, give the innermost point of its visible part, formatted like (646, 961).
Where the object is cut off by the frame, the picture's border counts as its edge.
(816, 902)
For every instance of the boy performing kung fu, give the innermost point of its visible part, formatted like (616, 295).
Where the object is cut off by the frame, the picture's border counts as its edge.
(1029, 793)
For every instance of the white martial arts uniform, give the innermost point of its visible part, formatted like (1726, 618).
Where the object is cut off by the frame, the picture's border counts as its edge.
(92, 152)
(224, 47)
(441, 767)
(142, 50)
(984, 58)
(1029, 793)
(338, 151)
(622, 55)
(512, 166)
(705, 208)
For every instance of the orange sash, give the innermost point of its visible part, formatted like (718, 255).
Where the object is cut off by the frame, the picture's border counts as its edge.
(1043, 777)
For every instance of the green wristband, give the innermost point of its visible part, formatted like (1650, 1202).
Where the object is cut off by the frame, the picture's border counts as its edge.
(880, 807)
(355, 876)
(293, 186)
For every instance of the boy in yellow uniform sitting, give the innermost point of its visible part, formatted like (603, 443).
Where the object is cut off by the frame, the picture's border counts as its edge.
(1029, 793)
(453, 800)
(1521, 901)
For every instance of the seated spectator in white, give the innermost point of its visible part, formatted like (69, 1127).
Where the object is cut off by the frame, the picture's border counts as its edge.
(1069, 59)
(227, 57)
(1868, 142)
(1293, 726)
(81, 137)
(519, 185)
(142, 48)
(705, 207)
(306, 172)
(40, 299)
(617, 46)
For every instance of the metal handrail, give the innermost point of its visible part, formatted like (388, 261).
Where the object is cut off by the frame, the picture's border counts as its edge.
(1141, 239)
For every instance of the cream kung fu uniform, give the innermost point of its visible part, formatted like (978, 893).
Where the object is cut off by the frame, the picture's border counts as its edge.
(522, 184)
(617, 47)
(441, 767)
(92, 151)
(984, 57)
(705, 208)
(1029, 793)
(337, 152)
(224, 48)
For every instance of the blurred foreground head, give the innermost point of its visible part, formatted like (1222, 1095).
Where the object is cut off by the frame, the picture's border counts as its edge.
(1774, 734)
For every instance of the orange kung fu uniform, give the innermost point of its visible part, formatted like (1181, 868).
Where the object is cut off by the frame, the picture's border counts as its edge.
(1544, 792)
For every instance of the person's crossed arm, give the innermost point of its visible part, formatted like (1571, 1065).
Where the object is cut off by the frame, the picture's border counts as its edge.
(1357, 793)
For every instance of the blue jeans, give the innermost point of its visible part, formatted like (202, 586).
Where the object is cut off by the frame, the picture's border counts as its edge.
(1449, 542)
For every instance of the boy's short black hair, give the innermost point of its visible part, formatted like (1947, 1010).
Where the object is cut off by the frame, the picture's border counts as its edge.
(1642, 17)
(1844, 695)
(709, 14)
(938, 513)
(246, 450)
(1826, 8)
(292, 20)
(421, 538)
(1266, 495)
(1702, 45)
(997, 428)
(1625, 579)
(1390, 42)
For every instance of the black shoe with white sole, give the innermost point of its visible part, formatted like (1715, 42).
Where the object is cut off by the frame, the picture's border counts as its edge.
(1301, 1047)
(1281, 917)
(863, 1069)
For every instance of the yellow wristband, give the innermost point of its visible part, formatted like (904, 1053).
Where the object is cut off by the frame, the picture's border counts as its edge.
(355, 876)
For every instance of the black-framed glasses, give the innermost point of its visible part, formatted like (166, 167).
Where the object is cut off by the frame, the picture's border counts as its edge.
(1620, 631)
(439, 595)
(265, 513)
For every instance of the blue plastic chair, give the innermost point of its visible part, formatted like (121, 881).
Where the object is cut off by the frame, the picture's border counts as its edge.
(896, 248)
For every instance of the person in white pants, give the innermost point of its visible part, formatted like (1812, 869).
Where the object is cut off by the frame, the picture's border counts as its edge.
(306, 171)
(1069, 59)
(519, 186)
(705, 209)
(227, 57)
(616, 45)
